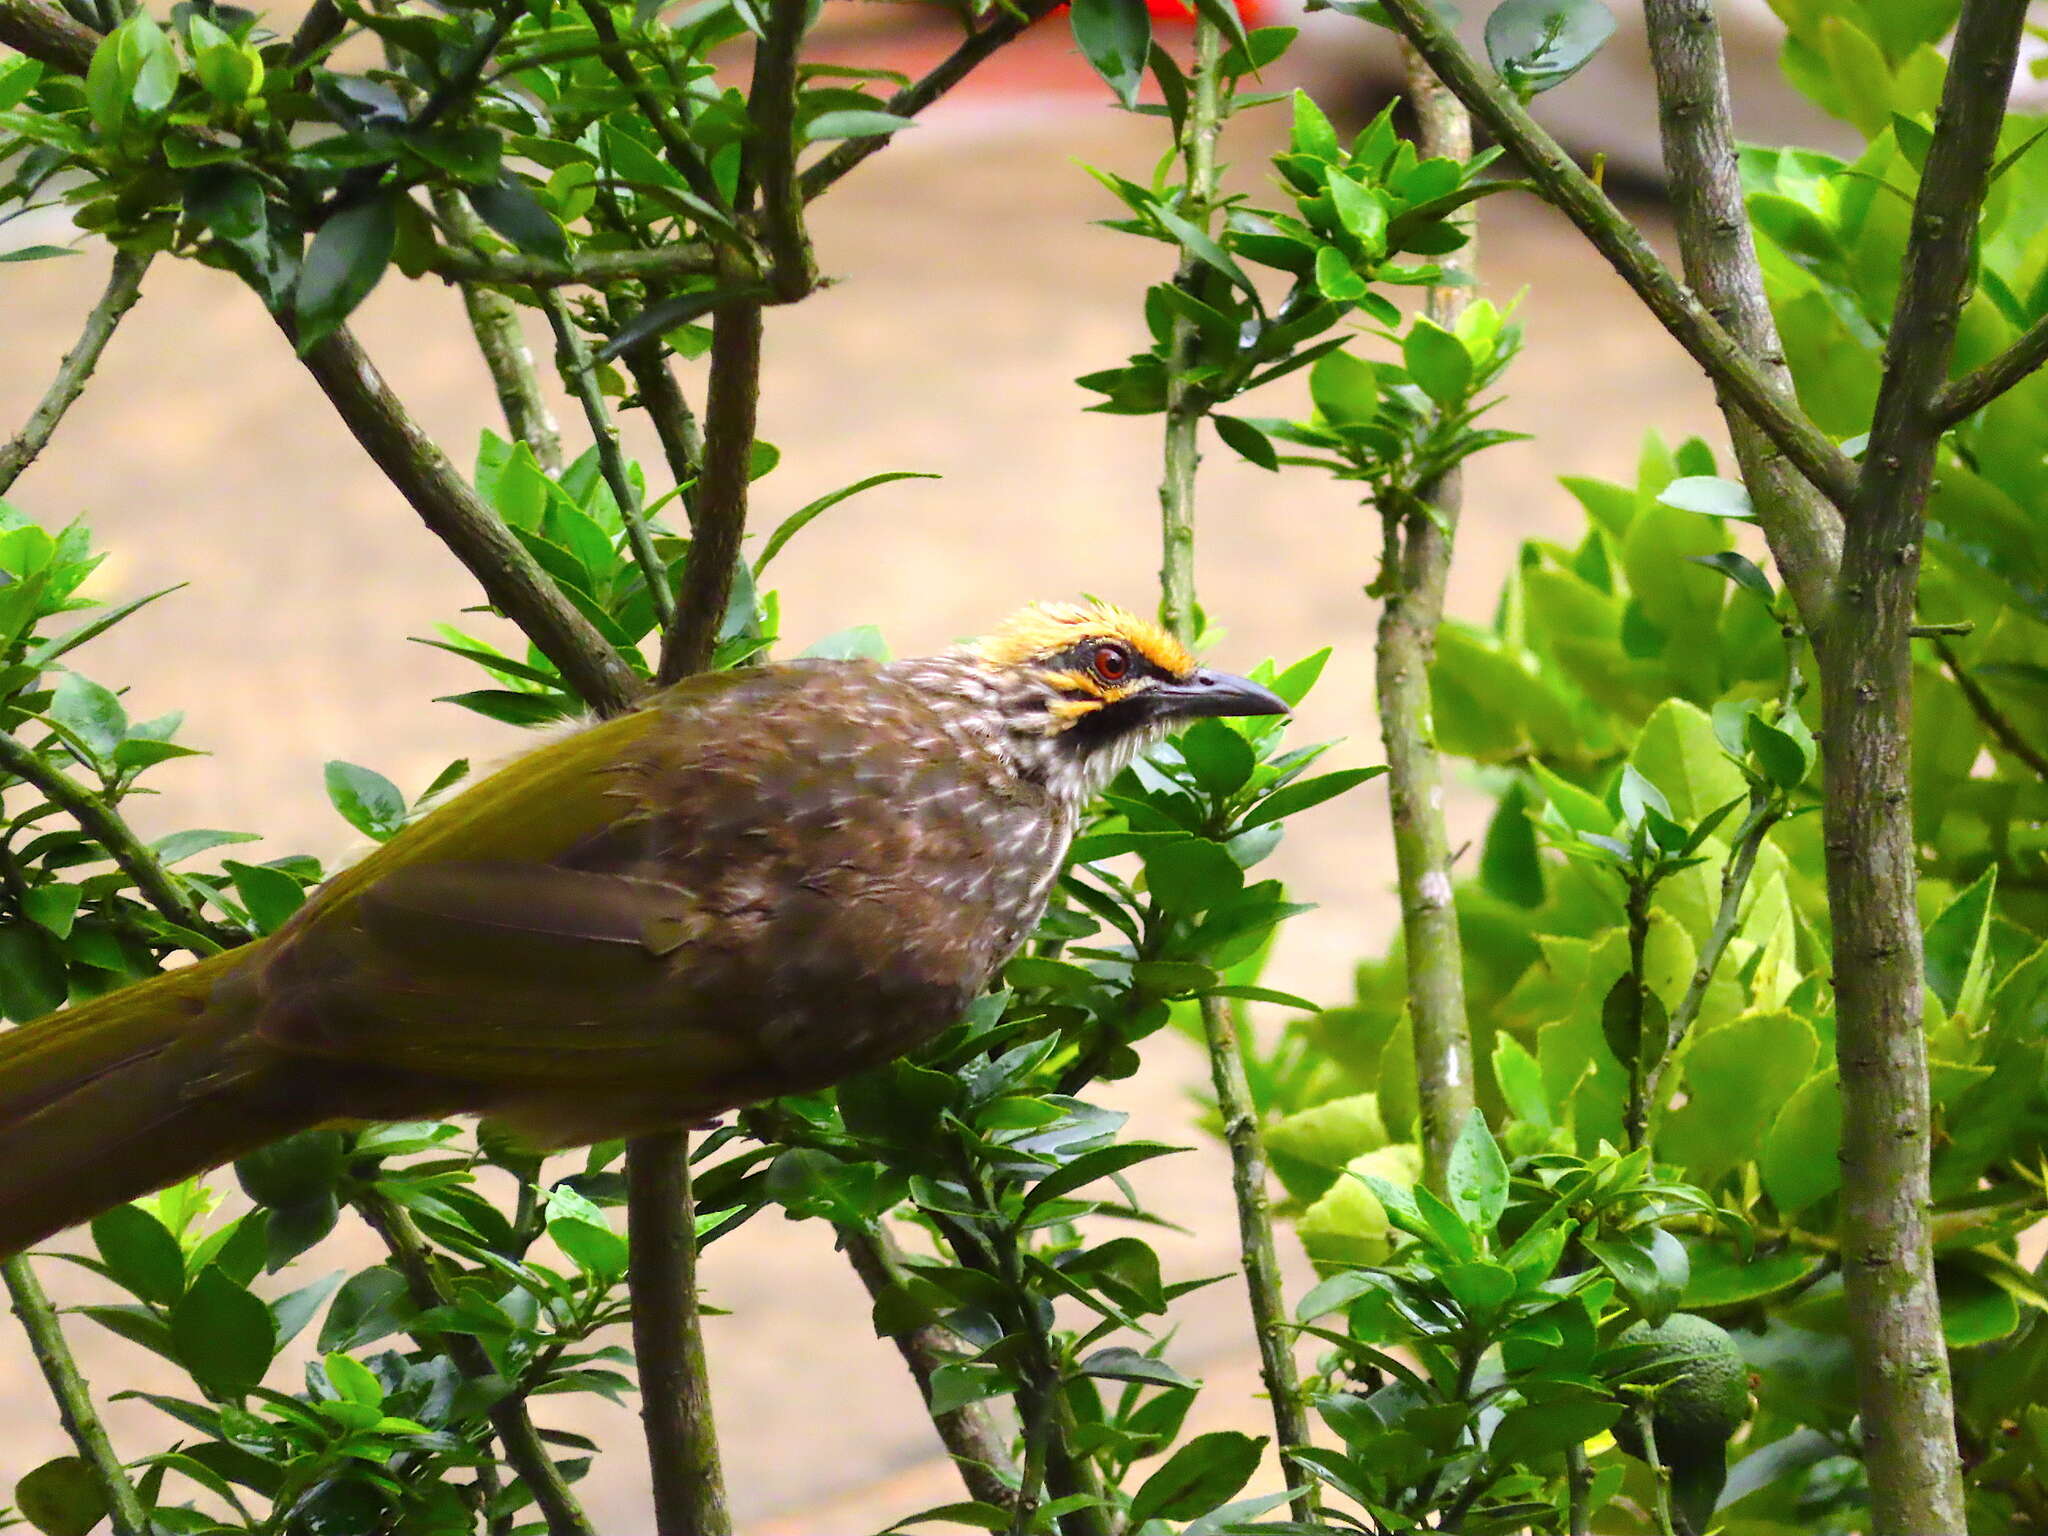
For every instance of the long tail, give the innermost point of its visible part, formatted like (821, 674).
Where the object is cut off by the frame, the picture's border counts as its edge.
(129, 1092)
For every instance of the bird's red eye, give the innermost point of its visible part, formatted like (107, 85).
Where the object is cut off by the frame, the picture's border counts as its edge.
(1112, 663)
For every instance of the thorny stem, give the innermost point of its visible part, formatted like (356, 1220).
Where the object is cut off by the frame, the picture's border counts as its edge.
(1637, 1117)
(590, 269)
(1255, 1236)
(525, 1452)
(137, 860)
(1994, 719)
(1415, 570)
(74, 1399)
(1186, 401)
(124, 287)
(971, 1435)
(1578, 1482)
(1577, 196)
(1866, 670)
(572, 358)
(494, 319)
(477, 536)
(1720, 262)
(1007, 26)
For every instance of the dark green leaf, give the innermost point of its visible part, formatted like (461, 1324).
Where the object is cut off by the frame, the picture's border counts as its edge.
(1246, 440)
(1115, 36)
(347, 257)
(1304, 794)
(32, 977)
(1123, 1364)
(271, 895)
(1090, 1166)
(61, 1498)
(140, 1254)
(1740, 570)
(91, 713)
(1205, 1472)
(514, 212)
(223, 1335)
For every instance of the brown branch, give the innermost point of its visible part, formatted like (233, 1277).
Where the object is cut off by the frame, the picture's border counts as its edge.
(525, 1451)
(1719, 255)
(1575, 194)
(919, 94)
(478, 537)
(1415, 571)
(124, 287)
(1867, 678)
(42, 31)
(682, 443)
(1993, 719)
(1964, 397)
(589, 269)
(771, 108)
(976, 1442)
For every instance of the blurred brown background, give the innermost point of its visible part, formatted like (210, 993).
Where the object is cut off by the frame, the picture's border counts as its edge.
(972, 289)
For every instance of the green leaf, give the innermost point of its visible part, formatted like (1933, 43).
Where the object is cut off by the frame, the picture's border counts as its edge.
(1958, 941)
(352, 1380)
(1205, 1472)
(1801, 1157)
(37, 252)
(1115, 36)
(367, 800)
(1246, 440)
(1711, 495)
(53, 907)
(581, 1230)
(222, 1334)
(1477, 1176)
(91, 713)
(860, 642)
(1535, 1432)
(1345, 389)
(293, 1171)
(345, 261)
(1090, 1166)
(1740, 570)
(1438, 362)
(140, 1254)
(1538, 44)
(1312, 133)
(180, 846)
(982, 1517)
(1191, 874)
(1784, 761)
(514, 212)
(854, 124)
(509, 706)
(800, 519)
(1220, 758)
(271, 895)
(1123, 1364)
(32, 977)
(1305, 794)
(369, 1306)
(61, 1497)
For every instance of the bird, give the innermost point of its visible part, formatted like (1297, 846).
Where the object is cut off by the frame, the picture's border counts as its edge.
(758, 882)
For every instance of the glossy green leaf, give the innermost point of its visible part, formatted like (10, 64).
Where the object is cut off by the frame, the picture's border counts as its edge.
(1205, 1472)
(367, 800)
(348, 256)
(1115, 36)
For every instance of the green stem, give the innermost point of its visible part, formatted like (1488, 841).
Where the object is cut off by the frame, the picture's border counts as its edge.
(136, 859)
(75, 1408)
(124, 287)
(573, 359)
(1660, 1480)
(675, 424)
(1637, 1116)
(525, 1451)
(494, 320)
(1578, 1482)
(1415, 572)
(1256, 1251)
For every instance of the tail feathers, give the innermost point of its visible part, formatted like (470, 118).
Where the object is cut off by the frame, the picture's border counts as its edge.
(125, 1094)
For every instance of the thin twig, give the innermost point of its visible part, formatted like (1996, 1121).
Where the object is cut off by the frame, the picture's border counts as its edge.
(494, 320)
(1420, 537)
(1964, 397)
(1581, 200)
(588, 269)
(675, 424)
(972, 1437)
(677, 149)
(476, 534)
(124, 287)
(137, 860)
(75, 1408)
(1578, 1482)
(1994, 719)
(675, 1386)
(1719, 255)
(1256, 1251)
(1660, 1480)
(919, 94)
(525, 1451)
(1895, 1326)
(573, 359)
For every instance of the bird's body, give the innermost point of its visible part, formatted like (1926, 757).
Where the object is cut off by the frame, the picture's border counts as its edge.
(761, 882)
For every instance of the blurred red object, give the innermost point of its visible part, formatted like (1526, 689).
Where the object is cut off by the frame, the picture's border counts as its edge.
(1173, 10)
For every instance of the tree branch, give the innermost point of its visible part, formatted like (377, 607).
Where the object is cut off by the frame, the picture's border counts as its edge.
(1994, 719)
(124, 287)
(573, 359)
(1867, 678)
(682, 444)
(918, 95)
(1719, 254)
(974, 1440)
(42, 31)
(588, 269)
(1964, 397)
(494, 319)
(477, 536)
(524, 1449)
(75, 1408)
(771, 107)
(1415, 571)
(1579, 199)
(104, 825)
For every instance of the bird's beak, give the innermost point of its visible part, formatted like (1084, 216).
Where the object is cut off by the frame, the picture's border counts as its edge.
(1216, 693)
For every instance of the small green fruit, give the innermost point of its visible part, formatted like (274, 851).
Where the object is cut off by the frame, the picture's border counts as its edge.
(1702, 1394)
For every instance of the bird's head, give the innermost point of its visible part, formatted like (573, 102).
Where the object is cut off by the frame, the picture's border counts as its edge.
(1083, 688)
